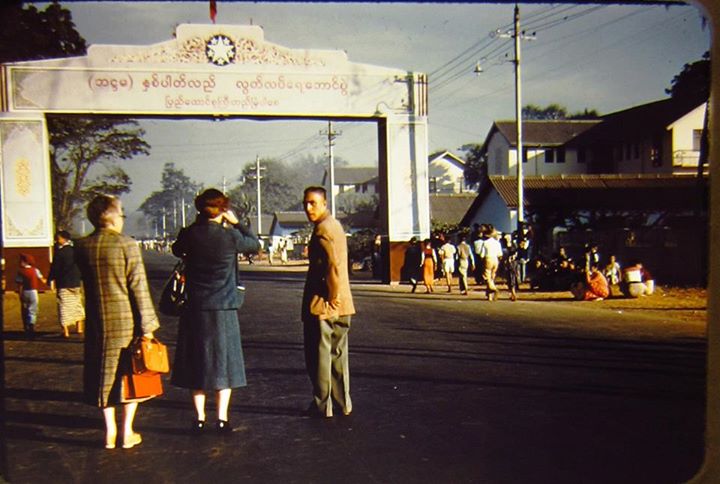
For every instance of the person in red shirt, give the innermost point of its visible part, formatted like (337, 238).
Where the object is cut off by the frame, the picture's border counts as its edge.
(29, 279)
(594, 288)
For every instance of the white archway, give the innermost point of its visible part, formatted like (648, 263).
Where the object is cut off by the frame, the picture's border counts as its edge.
(213, 70)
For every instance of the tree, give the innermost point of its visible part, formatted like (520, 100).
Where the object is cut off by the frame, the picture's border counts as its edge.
(281, 183)
(551, 111)
(556, 111)
(693, 81)
(83, 156)
(354, 202)
(29, 34)
(178, 191)
(585, 114)
(475, 163)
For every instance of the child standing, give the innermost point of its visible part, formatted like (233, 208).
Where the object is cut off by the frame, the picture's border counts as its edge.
(29, 278)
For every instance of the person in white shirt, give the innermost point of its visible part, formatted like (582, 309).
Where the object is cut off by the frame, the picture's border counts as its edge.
(491, 253)
(447, 254)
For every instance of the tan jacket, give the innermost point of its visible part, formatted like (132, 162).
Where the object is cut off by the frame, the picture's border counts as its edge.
(327, 286)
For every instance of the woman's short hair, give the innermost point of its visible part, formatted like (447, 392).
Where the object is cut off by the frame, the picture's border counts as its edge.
(211, 203)
(101, 209)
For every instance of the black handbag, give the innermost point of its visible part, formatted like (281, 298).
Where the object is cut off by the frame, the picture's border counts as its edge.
(174, 295)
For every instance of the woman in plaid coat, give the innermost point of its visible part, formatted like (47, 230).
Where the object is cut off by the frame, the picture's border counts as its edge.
(117, 306)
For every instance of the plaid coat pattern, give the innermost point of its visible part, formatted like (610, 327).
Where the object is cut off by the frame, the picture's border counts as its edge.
(117, 306)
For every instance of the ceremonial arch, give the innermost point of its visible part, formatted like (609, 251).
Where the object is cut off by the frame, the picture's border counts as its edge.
(212, 71)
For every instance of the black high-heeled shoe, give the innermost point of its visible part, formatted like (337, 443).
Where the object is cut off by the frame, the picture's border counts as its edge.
(198, 426)
(223, 427)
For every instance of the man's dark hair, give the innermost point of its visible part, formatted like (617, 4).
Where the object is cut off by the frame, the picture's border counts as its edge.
(316, 189)
(64, 234)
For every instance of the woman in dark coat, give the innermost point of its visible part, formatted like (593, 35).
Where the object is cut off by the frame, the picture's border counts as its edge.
(209, 355)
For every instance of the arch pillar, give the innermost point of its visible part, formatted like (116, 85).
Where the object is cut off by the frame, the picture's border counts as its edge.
(405, 201)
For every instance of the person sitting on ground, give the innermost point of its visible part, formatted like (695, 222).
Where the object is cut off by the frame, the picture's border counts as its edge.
(593, 288)
(636, 281)
(612, 271)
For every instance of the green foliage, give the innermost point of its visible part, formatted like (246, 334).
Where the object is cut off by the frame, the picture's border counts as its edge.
(449, 229)
(27, 33)
(352, 202)
(281, 183)
(475, 163)
(360, 245)
(551, 111)
(84, 152)
(693, 81)
(557, 112)
(178, 192)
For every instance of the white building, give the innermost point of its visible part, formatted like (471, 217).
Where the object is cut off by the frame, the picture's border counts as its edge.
(653, 149)
(446, 173)
(662, 137)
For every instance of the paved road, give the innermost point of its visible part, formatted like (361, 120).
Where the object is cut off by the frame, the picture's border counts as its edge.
(445, 390)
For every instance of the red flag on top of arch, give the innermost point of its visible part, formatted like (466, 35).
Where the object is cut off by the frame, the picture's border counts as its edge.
(213, 10)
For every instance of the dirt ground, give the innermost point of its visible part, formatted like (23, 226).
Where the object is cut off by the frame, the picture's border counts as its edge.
(685, 303)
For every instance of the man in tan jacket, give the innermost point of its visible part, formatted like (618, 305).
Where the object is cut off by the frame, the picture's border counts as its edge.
(327, 308)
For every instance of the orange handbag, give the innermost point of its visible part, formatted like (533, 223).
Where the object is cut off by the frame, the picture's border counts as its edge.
(141, 386)
(148, 356)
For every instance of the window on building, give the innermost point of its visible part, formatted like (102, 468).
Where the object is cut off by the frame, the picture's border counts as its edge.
(561, 155)
(525, 155)
(581, 155)
(656, 156)
(697, 139)
(433, 184)
(550, 156)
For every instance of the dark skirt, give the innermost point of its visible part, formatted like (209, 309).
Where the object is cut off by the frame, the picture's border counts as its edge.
(209, 355)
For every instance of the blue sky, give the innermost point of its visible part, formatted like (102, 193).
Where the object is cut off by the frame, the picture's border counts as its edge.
(604, 57)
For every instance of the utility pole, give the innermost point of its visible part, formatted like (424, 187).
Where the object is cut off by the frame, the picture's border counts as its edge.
(259, 203)
(331, 135)
(182, 205)
(518, 121)
(517, 35)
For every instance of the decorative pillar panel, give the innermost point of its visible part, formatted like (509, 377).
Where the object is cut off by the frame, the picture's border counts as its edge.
(408, 201)
(25, 179)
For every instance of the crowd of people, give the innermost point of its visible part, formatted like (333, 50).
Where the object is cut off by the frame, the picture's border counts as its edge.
(591, 277)
(106, 270)
(486, 255)
(489, 255)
